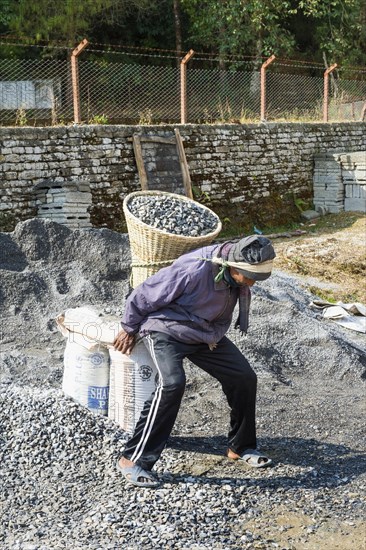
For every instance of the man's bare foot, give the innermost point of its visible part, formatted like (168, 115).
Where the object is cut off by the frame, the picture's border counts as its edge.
(125, 463)
(232, 455)
(251, 457)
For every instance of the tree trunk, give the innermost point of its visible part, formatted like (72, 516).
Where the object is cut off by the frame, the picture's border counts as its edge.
(255, 80)
(178, 28)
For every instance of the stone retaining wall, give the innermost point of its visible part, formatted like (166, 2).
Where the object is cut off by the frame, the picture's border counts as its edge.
(247, 173)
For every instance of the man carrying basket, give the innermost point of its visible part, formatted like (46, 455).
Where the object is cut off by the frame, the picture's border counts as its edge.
(184, 311)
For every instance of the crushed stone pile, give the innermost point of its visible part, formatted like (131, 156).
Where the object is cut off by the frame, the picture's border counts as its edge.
(46, 268)
(60, 485)
(173, 215)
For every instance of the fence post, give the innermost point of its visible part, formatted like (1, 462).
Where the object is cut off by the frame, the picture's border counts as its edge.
(326, 91)
(183, 86)
(363, 112)
(75, 78)
(263, 86)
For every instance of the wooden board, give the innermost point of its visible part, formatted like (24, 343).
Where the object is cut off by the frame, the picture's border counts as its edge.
(162, 164)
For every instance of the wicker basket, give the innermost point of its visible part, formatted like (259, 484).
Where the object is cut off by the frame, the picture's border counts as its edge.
(151, 248)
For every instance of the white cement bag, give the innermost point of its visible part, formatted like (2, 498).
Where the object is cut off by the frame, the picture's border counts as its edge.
(86, 375)
(133, 378)
(88, 326)
(86, 357)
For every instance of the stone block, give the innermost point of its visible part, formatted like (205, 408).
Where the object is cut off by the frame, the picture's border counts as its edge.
(335, 208)
(310, 215)
(355, 205)
(355, 191)
(348, 191)
(360, 173)
(351, 159)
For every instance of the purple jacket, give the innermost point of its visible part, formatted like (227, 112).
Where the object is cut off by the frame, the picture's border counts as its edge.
(183, 300)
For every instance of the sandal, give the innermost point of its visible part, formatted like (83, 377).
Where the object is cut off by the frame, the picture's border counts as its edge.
(132, 474)
(254, 459)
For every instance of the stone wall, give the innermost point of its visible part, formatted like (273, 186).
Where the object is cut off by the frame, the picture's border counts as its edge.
(246, 173)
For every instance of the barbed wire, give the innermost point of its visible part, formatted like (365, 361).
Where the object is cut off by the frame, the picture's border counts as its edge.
(22, 45)
(107, 47)
(130, 54)
(148, 52)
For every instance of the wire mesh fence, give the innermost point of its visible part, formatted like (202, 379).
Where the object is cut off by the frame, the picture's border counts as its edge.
(294, 97)
(128, 93)
(226, 95)
(35, 91)
(132, 87)
(348, 99)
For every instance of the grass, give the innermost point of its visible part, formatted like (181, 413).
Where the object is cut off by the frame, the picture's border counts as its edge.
(324, 224)
(334, 222)
(323, 294)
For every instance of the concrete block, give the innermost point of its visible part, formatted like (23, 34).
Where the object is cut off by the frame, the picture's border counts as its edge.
(74, 208)
(348, 191)
(355, 205)
(335, 209)
(310, 215)
(350, 159)
(319, 196)
(319, 203)
(360, 174)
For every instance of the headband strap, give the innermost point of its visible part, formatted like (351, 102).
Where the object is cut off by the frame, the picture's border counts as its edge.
(263, 267)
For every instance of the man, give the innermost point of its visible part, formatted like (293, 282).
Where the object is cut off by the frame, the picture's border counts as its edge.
(184, 311)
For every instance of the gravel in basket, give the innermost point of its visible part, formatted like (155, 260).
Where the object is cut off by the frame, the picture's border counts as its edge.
(162, 226)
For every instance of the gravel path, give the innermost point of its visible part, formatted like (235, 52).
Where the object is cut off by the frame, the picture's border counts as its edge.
(60, 486)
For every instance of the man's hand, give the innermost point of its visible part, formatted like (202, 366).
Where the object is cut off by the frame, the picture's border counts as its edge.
(124, 342)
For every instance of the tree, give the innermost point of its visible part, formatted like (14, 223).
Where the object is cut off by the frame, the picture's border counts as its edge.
(241, 27)
(339, 28)
(177, 25)
(69, 20)
(257, 28)
(262, 27)
(6, 13)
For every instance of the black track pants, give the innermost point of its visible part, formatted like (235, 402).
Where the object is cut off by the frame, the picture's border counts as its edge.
(225, 363)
